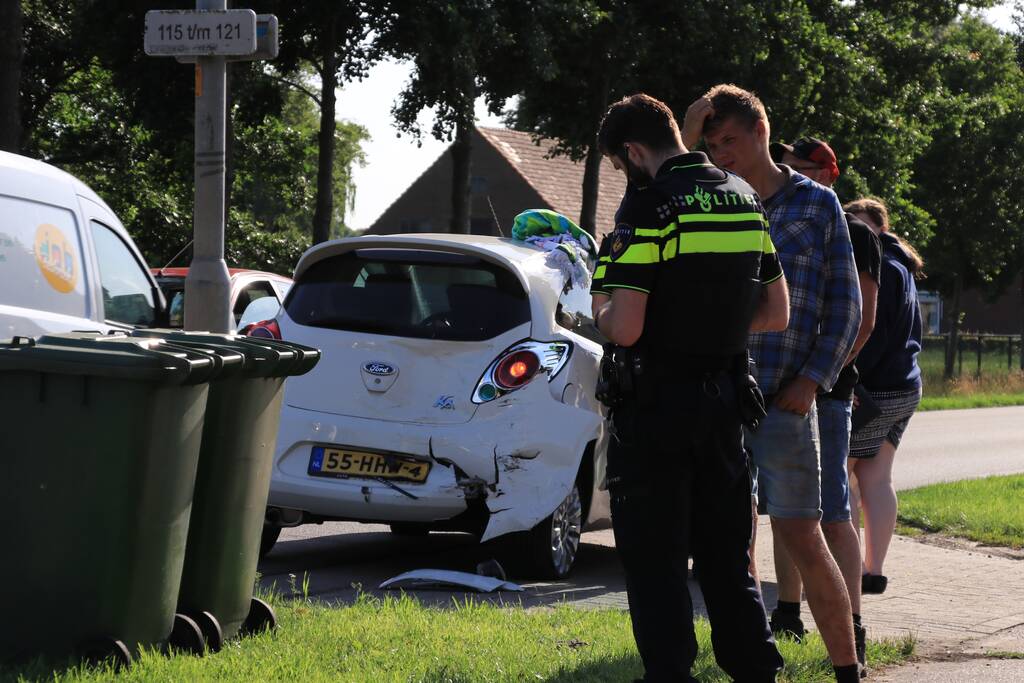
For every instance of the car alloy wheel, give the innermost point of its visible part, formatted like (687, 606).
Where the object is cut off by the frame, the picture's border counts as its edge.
(566, 524)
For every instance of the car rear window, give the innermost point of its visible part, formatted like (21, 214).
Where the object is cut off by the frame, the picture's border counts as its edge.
(409, 293)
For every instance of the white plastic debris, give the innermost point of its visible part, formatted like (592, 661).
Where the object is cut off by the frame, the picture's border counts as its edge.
(440, 579)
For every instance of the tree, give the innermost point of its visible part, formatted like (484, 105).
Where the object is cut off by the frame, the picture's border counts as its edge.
(975, 196)
(857, 74)
(11, 54)
(334, 40)
(568, 100)
(461, 51)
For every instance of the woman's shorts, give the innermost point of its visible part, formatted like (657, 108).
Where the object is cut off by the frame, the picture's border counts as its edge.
(897, 408)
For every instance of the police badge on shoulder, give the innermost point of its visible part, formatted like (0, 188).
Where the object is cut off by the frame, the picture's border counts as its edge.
(620, 237)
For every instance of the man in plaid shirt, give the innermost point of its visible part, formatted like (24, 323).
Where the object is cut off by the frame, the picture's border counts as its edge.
(812, 238)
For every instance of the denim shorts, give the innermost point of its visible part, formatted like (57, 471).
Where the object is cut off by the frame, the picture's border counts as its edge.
(784, 464)
(834, 428)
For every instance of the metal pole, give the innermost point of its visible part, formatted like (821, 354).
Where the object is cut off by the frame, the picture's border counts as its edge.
(208, 286)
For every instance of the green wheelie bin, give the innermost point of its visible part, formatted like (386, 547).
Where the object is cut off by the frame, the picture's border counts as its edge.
(98, 455)
(233, 481)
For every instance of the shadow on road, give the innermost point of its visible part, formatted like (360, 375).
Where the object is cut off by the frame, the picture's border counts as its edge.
(341, 565)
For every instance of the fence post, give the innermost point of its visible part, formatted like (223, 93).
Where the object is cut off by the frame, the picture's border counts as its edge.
(1009, 352)
(978, 373)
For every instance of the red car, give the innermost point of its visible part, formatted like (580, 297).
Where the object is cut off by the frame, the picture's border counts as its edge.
(255, 295)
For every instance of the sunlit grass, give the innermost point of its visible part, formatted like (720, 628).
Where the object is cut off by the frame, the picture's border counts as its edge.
(399, 639)
(986, 510)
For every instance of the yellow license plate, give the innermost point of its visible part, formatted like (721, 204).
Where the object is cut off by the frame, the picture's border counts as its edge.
(332, 462)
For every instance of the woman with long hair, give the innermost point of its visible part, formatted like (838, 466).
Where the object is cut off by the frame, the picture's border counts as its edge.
(891, 376)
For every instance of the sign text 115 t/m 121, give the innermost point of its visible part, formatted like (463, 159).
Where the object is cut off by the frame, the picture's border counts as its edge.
(194, 32)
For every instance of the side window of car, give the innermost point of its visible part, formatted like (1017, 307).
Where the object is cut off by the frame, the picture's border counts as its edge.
(41, 258)
(127, 292)
(176, 309)
(256, 302)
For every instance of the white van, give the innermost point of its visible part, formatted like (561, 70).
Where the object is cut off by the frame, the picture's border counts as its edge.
(66, 262)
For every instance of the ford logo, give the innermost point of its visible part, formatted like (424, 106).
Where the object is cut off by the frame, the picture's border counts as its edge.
(379, 369)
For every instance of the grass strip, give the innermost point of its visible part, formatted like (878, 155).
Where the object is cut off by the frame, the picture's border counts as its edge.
(979, 400)
(984, 510)
(399, 639)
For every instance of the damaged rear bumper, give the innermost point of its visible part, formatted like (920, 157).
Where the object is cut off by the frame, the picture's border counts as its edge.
(518, 457)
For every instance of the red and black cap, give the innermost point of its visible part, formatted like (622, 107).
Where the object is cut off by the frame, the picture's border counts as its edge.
(808, 149)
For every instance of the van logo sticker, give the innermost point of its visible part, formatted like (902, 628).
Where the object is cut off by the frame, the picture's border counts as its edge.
(55, 256)
(445, 402)
(379, 369)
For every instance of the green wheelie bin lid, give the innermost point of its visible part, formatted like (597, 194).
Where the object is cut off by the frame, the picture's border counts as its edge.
(259, 360)
(225, 361)
(264, 357)
(73, 356)
(98, 459)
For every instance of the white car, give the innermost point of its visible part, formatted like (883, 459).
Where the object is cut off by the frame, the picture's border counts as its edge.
(455, 392)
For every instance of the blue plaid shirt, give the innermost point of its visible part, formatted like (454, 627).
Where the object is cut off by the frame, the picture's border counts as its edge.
(813, 241)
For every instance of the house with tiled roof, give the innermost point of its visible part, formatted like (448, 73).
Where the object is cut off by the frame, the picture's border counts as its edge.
(509, 172)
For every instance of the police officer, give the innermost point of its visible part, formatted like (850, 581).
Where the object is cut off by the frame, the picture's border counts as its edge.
(687, 273)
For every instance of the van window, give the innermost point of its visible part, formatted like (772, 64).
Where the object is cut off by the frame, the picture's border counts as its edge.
(127, 292)
(410, 293)
(41, 258)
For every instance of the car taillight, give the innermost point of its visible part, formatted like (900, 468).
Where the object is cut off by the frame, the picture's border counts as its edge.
(518, 364)
(515, 370)
(268, 329)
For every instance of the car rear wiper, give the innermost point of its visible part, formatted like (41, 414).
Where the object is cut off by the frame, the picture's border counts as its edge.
(396, 487)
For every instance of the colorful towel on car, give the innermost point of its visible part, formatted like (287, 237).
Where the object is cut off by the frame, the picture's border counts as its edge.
(568, 245)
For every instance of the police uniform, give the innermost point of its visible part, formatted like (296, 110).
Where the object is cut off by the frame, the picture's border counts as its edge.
(695, 240)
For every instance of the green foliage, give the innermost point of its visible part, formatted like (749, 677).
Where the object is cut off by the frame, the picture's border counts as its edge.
(878, 80)
(122, 122)
(975, 195)
(985, 510)
(276, 166)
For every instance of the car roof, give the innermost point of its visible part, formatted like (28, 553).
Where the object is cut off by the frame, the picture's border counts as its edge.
(183, 272)
(503, 249)
(37, 180)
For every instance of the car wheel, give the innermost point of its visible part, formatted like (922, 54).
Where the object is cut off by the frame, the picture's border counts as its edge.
(409, 529)
(269, 538)
(554, 543)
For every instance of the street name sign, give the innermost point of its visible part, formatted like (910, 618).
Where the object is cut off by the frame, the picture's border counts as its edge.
(200, 33)
(266, 43)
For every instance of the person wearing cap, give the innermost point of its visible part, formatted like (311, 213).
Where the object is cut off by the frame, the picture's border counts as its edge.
(816, 160)
(810, 232)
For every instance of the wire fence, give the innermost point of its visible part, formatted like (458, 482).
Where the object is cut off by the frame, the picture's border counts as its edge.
(978, 355)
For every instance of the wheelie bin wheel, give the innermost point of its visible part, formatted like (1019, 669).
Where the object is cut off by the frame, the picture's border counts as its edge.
(261, 618)
(186, 635)
(104, 651)
(212, 632)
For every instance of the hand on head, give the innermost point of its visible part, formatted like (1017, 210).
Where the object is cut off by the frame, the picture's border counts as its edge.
(693, 124)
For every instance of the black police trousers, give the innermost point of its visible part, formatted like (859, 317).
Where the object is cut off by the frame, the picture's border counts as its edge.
(679, 485)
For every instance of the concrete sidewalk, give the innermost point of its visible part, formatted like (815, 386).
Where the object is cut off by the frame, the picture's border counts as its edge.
(959, 604)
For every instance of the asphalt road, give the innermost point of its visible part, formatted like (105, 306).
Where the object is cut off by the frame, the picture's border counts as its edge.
(338, 557)
(947, 445)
